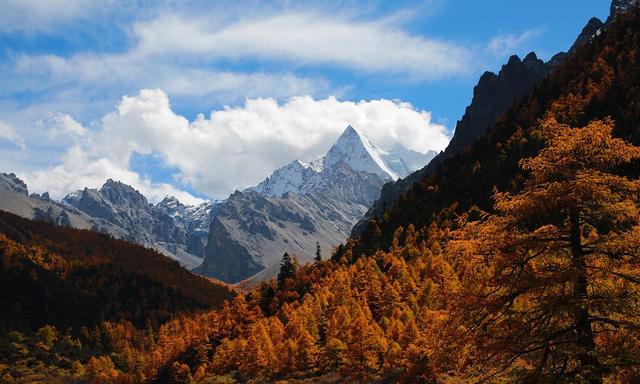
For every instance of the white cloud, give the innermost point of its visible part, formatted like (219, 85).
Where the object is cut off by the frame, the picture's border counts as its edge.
(34, 15)
(80, 170)
(71, 81)
(8, 133)
(234, 147)
(61, 124)
(307, 38)
(508, 44)
(181, 55)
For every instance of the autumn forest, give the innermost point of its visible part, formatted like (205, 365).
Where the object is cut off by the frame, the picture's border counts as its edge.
(517, 261)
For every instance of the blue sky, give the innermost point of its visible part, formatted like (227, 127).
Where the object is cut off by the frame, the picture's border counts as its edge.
(310, 66)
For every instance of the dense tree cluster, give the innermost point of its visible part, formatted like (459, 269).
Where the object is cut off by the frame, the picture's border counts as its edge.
(71, 298)
(71, 278)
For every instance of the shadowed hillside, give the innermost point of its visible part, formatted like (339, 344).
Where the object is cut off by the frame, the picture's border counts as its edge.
(71, 278)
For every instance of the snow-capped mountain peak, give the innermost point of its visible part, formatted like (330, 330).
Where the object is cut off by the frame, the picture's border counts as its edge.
(351, 148)
(405, 161)
(172, 206)
(288, 178)
(194, 217)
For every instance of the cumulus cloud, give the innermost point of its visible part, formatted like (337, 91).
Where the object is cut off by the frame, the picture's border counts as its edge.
(508, 44)
(232, 148)
(9, 134)
(61, 124)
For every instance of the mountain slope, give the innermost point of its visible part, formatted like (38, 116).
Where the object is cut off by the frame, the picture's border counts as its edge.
(492, 97)
(174, 229)
(71, 278)
(598, 79)
(301, 204)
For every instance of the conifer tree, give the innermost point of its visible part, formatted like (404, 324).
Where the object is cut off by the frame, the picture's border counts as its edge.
(561, 263)
(318, 257)
(287, 269)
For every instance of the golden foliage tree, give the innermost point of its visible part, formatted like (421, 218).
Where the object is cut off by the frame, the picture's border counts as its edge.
(560, 261)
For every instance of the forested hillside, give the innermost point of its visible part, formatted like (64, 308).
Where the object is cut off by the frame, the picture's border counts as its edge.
(600, 79)
(75, 281)
(516, 262)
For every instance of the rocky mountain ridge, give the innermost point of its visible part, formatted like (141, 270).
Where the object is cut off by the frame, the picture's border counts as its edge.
(118, 210)
(170, 227)
(492, 97)
(301, 204)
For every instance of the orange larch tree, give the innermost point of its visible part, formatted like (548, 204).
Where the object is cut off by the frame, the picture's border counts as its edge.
(562, 264)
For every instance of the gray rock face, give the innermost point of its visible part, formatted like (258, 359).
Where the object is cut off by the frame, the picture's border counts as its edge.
(196, 221)
(175, 229)
(14, 198)
(11, 181)
(251, 231)
(493, 95)
(298, 205)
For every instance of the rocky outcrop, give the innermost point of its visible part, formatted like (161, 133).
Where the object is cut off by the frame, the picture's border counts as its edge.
(492, 96)
(177, 230)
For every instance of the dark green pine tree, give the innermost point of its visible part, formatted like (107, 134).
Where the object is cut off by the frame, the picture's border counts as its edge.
(287, 269)
(318, 257)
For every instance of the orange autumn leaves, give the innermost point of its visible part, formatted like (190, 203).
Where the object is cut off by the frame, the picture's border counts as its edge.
(553, 281)
(542, 290)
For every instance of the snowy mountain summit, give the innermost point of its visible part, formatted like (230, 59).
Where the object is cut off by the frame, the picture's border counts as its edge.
(300, 206)
(352, 148)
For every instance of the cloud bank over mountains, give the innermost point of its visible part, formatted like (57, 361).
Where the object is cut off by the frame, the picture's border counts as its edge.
(230, 149)
(276, 75)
